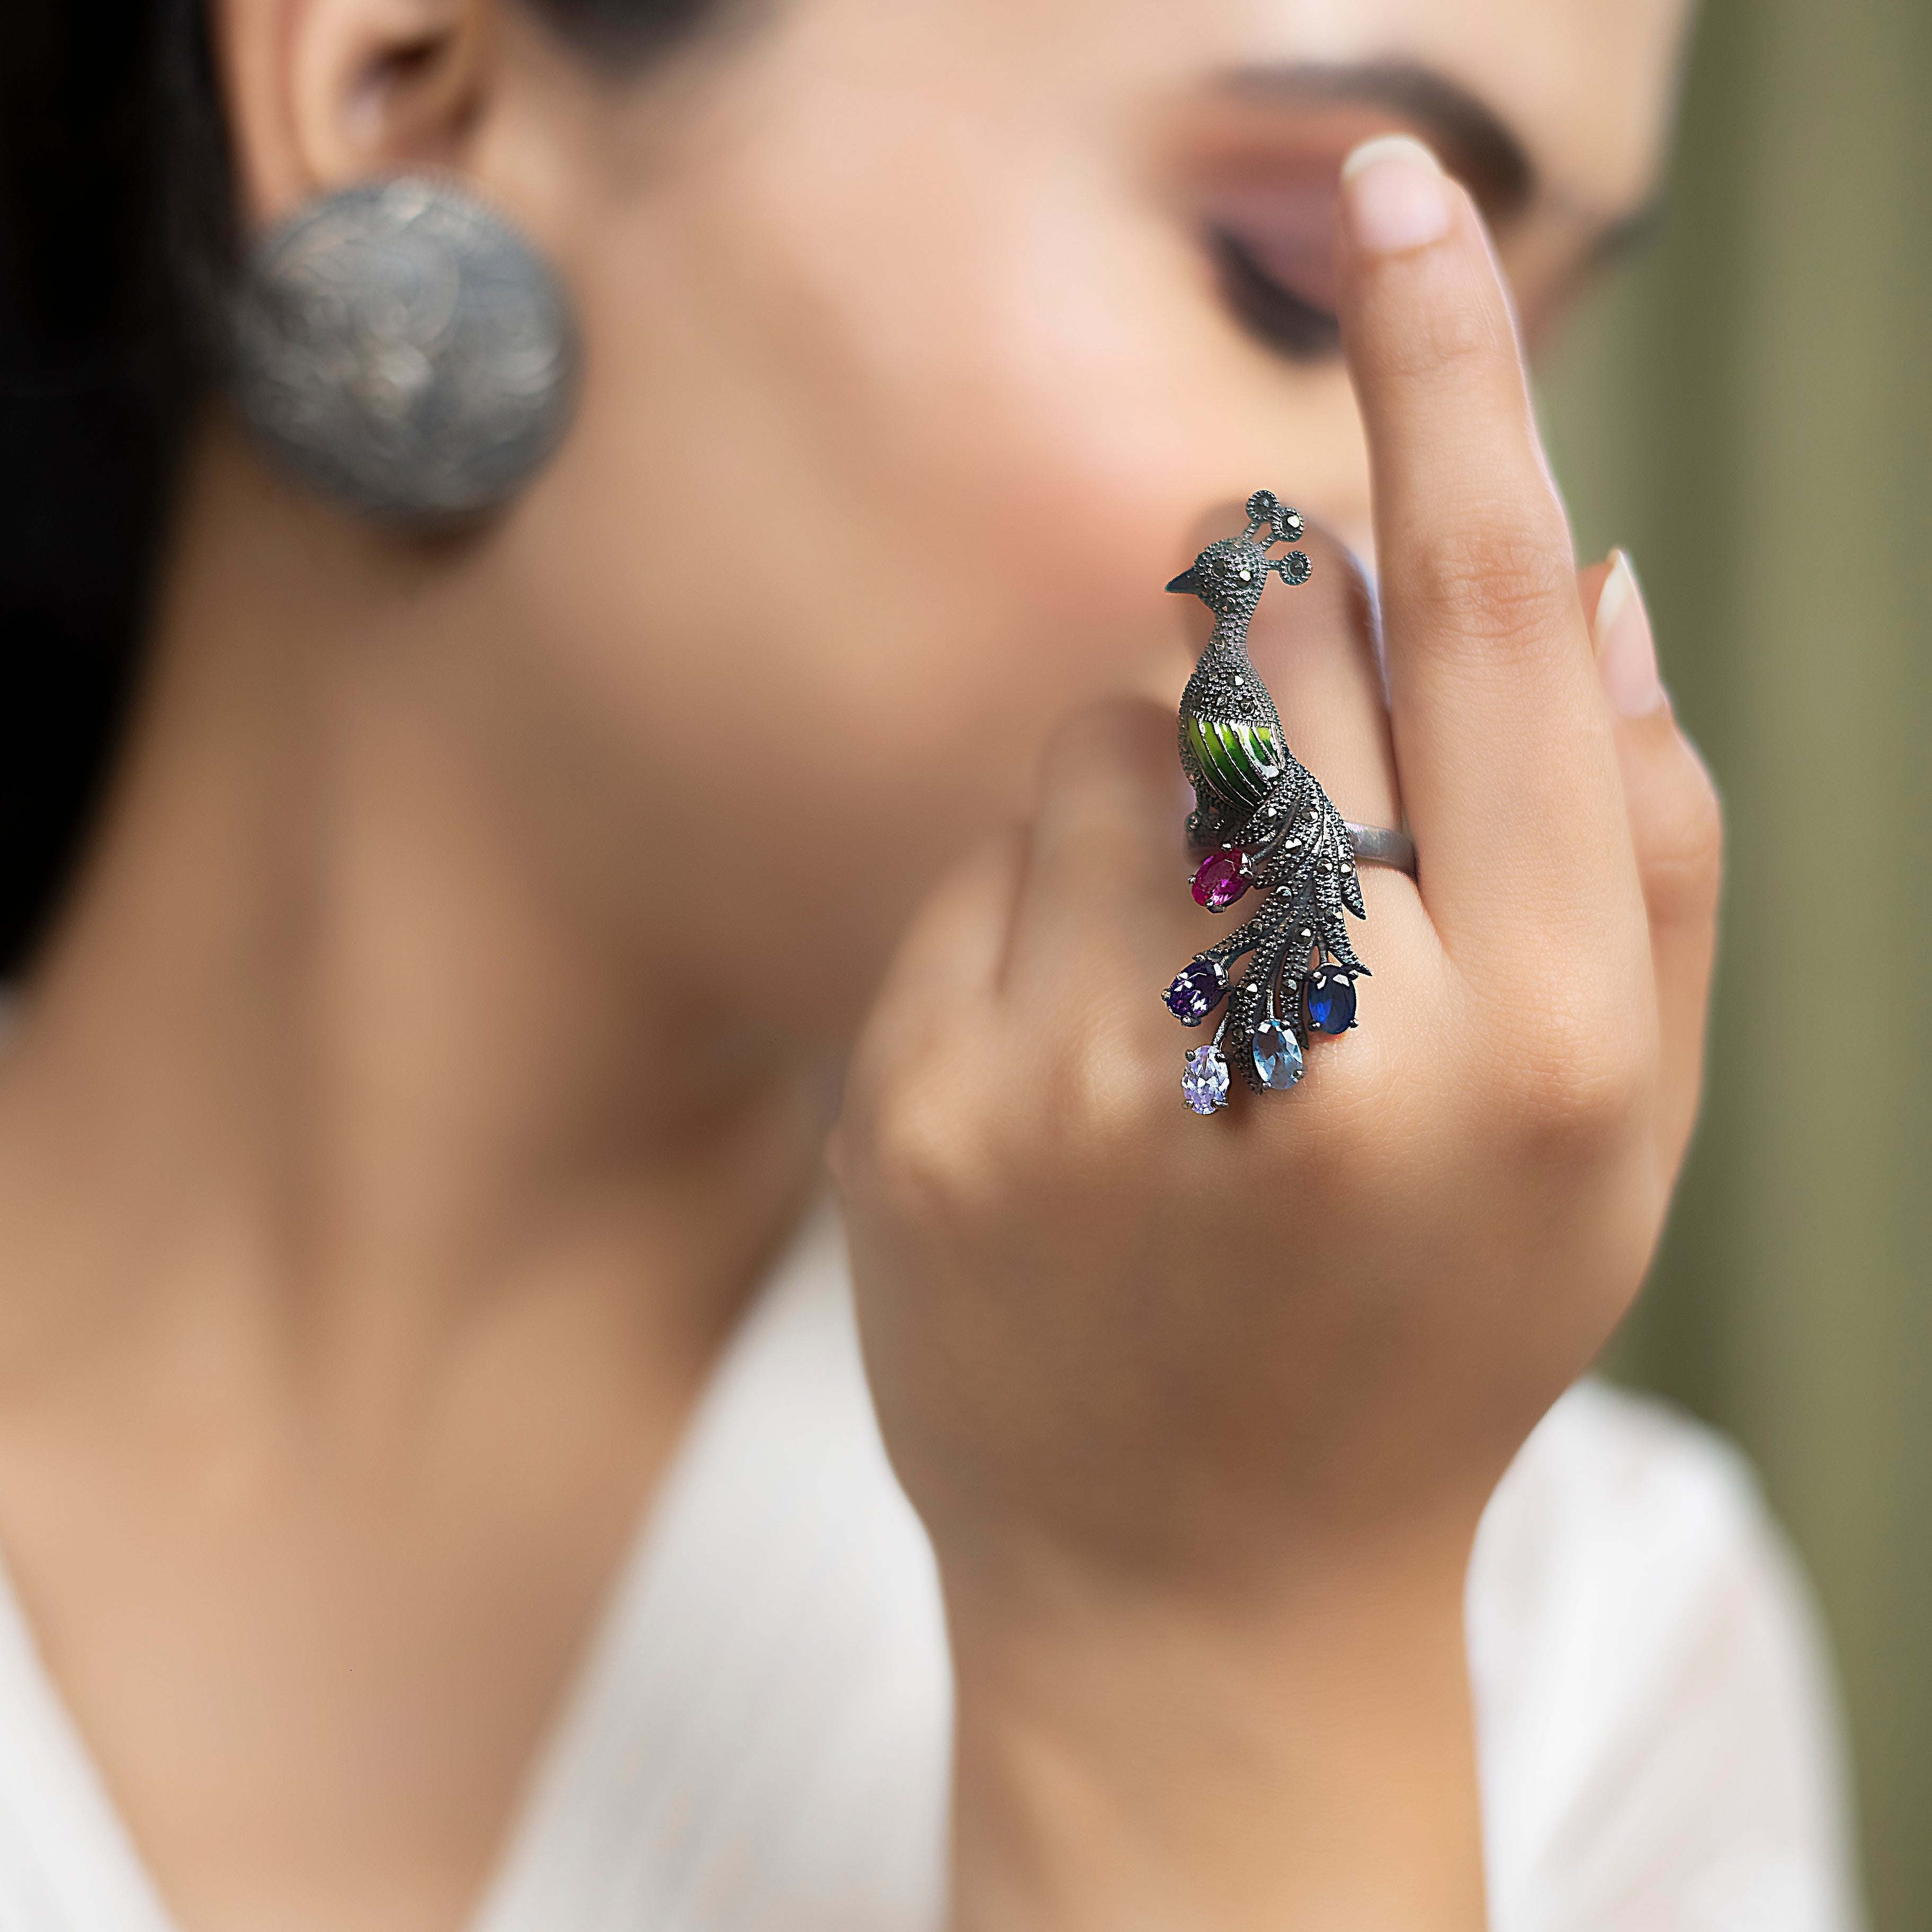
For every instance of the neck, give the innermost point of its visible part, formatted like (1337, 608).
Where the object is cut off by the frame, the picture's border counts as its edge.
(323, 1023)
(1231, 633)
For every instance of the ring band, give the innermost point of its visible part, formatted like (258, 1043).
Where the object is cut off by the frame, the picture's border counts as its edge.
(1377, 845)
(1372, 845)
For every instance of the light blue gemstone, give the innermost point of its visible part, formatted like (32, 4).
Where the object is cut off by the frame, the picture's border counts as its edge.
(1204, 1085)
(1277, 1056)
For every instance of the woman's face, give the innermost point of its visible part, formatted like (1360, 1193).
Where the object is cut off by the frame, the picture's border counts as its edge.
(918, 338)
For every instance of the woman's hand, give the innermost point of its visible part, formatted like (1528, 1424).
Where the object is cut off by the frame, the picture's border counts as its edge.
(1201, 1414)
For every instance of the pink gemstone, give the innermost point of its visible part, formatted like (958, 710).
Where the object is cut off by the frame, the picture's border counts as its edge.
(1220, 881)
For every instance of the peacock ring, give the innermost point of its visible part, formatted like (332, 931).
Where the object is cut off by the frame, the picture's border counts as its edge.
(1266, 825)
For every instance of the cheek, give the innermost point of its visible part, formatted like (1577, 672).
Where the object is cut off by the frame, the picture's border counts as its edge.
(885, 475)
(877, 479)
(999, 352)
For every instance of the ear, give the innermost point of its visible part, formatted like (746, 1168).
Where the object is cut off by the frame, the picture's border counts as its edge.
(322, 92)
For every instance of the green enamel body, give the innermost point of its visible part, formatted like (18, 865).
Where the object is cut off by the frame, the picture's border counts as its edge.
(1239, 762)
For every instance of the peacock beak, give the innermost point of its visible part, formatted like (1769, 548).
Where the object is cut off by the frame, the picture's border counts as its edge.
(1187, 583)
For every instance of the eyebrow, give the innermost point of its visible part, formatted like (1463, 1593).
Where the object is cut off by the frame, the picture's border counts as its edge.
(1476, 145)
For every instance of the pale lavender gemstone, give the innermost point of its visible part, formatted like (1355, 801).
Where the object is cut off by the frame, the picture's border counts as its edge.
(1204, 1085)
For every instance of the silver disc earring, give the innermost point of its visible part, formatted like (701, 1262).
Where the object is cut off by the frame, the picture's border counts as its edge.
(404, 351)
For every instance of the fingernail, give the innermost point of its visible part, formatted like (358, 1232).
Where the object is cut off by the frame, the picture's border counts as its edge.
(1626, 650)
(1394, 195)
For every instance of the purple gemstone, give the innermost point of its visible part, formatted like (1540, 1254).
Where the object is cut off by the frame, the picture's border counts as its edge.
(1220, 881)
(1198, 989)
(1204, 1085)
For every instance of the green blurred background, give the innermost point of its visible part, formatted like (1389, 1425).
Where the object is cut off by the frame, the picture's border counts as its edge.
(1747, 406)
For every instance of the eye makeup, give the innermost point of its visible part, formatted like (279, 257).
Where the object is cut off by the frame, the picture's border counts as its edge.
(1270, 242)
(1258, 157)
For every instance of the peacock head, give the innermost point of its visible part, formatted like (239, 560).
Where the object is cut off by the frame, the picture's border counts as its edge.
(1228, 575)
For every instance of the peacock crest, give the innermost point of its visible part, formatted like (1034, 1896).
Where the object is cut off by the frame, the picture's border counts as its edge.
(1264, 825)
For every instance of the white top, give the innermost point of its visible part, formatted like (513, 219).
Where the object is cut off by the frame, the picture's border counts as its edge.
(758, 1739)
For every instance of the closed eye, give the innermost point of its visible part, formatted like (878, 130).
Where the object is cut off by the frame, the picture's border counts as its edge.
(1269, 235)
(1267, 305)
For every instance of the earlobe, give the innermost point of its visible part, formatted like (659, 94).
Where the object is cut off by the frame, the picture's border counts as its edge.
(401, 347)
(397, 342)
(324, 92)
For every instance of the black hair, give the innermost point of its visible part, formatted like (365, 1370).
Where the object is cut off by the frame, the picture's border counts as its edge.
(118, 248)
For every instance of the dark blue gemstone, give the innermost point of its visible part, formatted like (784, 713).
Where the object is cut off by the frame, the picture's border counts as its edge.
(1198, 989)
(1331, 1000)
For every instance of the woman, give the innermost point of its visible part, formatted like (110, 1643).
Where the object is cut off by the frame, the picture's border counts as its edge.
(412, 1107)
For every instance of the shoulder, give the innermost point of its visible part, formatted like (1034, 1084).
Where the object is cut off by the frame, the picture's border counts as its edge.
(1658, 1739)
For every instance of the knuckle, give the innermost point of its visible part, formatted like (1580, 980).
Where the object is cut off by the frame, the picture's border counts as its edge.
(1102, 1080)
(1577, 1080)
(1499, 581)
(919, 1148)
(1441, 338)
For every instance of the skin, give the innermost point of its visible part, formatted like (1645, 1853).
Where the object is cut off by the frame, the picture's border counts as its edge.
(407, 1103)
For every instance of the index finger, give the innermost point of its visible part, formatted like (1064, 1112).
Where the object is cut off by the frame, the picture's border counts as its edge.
(1502, 738)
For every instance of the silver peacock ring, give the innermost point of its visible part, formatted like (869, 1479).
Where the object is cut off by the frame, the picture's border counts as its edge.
(1264, 824)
